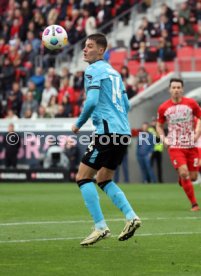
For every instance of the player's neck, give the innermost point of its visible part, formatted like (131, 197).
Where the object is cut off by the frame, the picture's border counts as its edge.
(176, 100)
(98, 59)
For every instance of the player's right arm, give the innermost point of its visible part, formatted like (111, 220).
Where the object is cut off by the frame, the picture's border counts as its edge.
(160, 126)
(89, 105)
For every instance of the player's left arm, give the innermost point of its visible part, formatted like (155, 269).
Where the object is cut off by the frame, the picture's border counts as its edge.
(125, 96)
(198, 130)
(197, 113)
(89, 105)
(126, 101)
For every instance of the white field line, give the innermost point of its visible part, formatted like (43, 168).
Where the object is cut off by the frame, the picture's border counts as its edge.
(90, 221)
(113, 236)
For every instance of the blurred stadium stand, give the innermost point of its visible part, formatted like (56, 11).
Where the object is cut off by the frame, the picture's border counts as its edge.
(167, 49)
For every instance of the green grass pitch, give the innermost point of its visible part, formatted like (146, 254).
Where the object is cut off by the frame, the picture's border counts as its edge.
(41, 226)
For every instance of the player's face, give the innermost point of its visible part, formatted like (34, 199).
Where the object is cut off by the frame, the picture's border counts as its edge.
(92, 51)
(176, 90)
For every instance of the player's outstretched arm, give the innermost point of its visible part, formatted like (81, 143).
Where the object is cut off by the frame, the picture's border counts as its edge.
(89, 105)
(126, 102)
(161, 133)
(198, 130)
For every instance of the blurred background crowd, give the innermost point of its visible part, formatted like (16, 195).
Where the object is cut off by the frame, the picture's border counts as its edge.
(29, 90)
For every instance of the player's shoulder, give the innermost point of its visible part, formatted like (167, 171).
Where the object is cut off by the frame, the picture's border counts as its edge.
(188, 100)
(100, 67)
(165, 104)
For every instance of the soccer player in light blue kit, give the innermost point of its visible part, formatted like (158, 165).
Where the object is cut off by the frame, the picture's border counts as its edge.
(107, 105)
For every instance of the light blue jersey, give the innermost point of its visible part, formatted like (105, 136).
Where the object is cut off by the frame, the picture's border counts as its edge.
(109, 115)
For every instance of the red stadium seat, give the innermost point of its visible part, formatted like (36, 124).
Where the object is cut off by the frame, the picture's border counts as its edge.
(117, 59)
(170, 66)
(175, 41)
(197, 59)
(151, 68)
(185, 52)
(185, 64)
(133, 66)
(197, 52)
(175, 29)
(118, 56)
(117, 66)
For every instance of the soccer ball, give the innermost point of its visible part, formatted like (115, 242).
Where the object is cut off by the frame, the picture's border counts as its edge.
(54, 37)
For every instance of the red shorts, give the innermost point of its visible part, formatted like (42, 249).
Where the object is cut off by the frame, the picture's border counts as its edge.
(190, 157)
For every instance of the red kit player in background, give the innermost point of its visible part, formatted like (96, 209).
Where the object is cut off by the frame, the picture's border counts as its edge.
(179, 112)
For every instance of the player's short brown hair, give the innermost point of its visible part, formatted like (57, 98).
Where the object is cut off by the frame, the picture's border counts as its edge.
(100, 39)
(176, 80)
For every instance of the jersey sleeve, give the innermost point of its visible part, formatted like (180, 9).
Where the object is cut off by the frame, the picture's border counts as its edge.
(93, 79)
(160, 115)
(196, 110)
(125, 96)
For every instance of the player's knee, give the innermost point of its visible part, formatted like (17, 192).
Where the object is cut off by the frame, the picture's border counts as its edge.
(81, 182)
(78, 177)
(193, 177)
(102, 184)
(184, 174)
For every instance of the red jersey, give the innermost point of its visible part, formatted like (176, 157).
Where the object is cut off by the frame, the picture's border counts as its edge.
(180, 121)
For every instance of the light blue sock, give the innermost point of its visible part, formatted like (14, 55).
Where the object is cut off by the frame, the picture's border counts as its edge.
(91, 200)
(119, 199)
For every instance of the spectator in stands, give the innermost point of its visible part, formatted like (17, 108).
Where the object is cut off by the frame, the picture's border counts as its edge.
(185, 27)
(167, 11)
(131, 90)
(143, 54)
(14, 99)
(72, 152)
(157, 154)
(126, 76)
(78, 80)
(65, 88)
(11, 115)
(147, 27)
(65, 73)
(143, 76)
(198, 11)
(68, 108)
(164, 51)
(27, 61)
(162, 70)
(48, 92)
(137, 39)
(90, 23)
(29, 104)
(184, 11)
(34, 41)
(38, 80)
(39, 21)
(53, 77)
(11, 146)
(7, 73)
(52, 108)
(61, 112)
(42, 112)
(198, 34)
(145, 146)
(164, 24)
(28, 114)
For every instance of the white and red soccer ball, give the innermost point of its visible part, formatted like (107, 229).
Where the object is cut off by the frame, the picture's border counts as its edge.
(54, 37)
